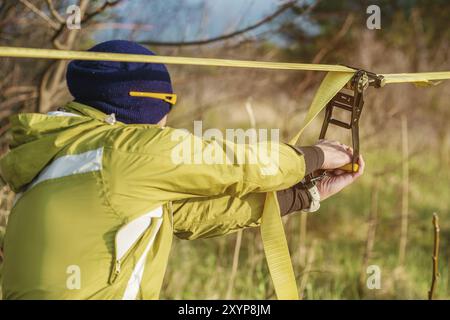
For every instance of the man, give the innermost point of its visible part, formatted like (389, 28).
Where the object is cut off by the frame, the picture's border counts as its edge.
(99, 195)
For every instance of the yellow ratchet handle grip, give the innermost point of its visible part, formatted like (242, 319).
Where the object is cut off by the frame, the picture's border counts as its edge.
(348, 167)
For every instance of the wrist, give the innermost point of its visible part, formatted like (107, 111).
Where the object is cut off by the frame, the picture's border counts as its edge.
(314, 158)
(293, 199)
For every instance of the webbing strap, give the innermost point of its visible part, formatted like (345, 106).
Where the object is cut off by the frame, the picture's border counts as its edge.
(106, 56)
(272, 232)
(19, 52)
(420, 79)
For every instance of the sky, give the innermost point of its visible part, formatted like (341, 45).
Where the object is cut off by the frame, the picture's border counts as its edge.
(184, 20)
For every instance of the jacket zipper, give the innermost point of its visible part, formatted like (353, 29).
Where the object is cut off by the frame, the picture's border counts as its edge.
(116, 271)
(118, 262)
(117, 268)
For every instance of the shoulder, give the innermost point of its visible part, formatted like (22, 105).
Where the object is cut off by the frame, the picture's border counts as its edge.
(146, 139)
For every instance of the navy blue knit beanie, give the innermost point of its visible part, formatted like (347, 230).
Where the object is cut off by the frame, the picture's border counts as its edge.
(105, 85)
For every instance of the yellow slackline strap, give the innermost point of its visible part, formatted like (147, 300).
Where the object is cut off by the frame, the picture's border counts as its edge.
(420, 79)
(105, 56)
(18, 52)
(272, 232)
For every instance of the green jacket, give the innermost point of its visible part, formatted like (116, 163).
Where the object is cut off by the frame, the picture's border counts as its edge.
(98, 203)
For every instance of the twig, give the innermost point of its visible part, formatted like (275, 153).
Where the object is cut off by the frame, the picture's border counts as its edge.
(302, 239)
(88, 16)
(405, 193)
(121, 26)
(18, 89)
(237, 249)
(320, 55)
(251, 114)
(304, 280)
(54, 12)
(5, 105)
(99, 10)
(435, 256)
(41, 14)
(261, 22)
(371, 231)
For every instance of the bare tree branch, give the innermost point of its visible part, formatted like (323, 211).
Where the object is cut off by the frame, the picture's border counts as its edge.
(121, 26)
(99, 10)
(54, 25)
(54, 12)
(258, 24)
(6, 13)
(325, 50)
(87, 18)
(435, 257)
(14, 100)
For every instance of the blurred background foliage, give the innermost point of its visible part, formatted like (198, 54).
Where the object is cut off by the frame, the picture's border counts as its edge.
(384, 219)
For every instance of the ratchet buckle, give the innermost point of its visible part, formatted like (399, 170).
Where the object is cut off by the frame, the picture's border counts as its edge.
(352, 103)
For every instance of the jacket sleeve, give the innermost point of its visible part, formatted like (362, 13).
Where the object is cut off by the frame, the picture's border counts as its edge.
(161, 165)
(216, 216)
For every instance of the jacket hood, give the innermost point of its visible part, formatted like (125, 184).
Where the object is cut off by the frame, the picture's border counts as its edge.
(37, 138)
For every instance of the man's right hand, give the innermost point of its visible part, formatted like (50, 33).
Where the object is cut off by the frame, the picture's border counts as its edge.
(336, 180)
(335, 153)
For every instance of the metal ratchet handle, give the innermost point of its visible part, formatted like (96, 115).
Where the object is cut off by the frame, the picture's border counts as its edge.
(351, 103)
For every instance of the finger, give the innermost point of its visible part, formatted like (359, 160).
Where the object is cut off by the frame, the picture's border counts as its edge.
(362, 165)
(349, 153)
(342, 180)
(345, 148)
(333, 142)
(338, 172)
(349, 149)
(341, 148)
(330, 173)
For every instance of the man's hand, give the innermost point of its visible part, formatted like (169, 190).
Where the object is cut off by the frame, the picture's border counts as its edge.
(337, 179)
(335, 154)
